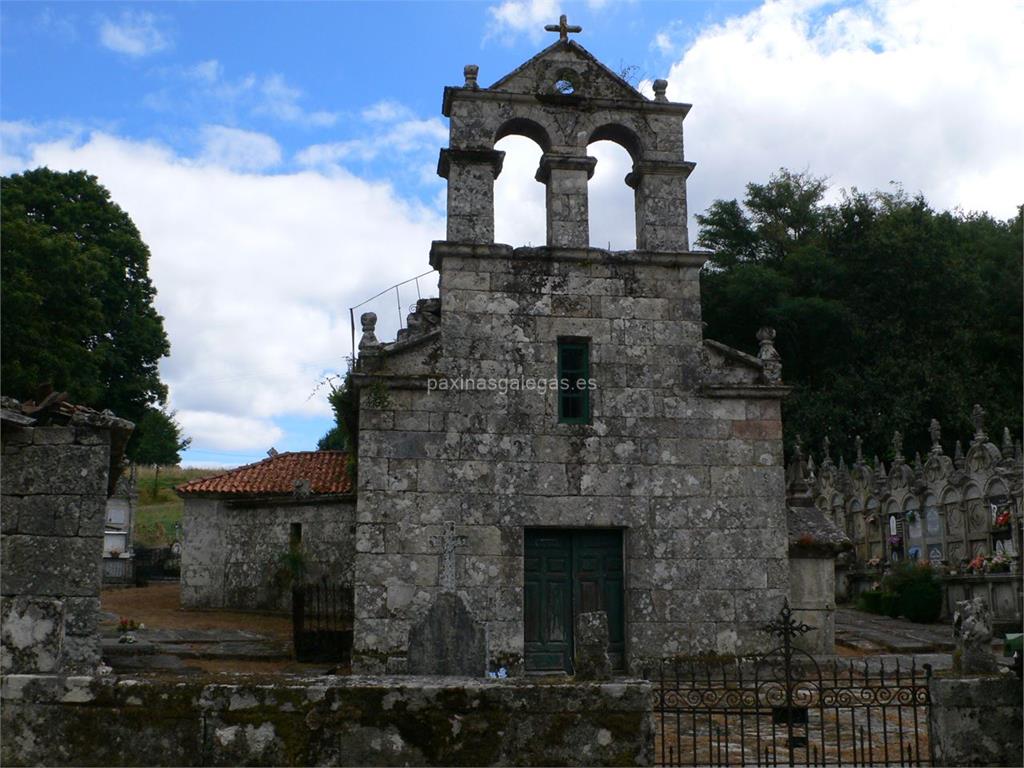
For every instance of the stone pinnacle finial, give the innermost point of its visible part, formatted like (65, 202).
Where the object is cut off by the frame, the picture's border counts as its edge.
(796, 472)
(935, 431)
(958, 456)
(1007, 444)
(563, 28)
(368, 342)
(826, 450)
(897, 447)
(470, 71)
(770, 358)
(660, 86)
(978, 419)
(858, 444)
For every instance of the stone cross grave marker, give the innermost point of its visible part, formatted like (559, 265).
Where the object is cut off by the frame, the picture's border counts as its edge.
(447, 542)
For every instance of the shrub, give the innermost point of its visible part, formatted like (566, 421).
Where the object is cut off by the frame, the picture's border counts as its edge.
(870, 600)
(921, 601)
(918, 589)
(889, 602)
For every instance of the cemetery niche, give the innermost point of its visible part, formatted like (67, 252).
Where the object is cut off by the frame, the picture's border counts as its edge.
(961, 514)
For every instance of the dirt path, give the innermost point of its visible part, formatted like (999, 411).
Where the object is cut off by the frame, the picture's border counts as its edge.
(158, 606)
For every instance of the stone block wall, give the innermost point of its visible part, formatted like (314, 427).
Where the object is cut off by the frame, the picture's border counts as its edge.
(812, 596)
(977, 721)
(683, 454)
(231, 550)
(323, 721)
(54, 493)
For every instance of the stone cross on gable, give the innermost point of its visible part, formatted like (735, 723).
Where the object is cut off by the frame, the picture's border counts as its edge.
(563, 28)
(447, 542)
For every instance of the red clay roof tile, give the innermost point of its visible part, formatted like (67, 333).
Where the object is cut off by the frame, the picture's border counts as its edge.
(326, 471)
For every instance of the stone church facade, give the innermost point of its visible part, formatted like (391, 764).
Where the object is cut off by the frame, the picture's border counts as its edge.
(493, 507)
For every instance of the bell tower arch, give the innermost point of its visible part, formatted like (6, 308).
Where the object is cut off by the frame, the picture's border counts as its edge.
(564, 99)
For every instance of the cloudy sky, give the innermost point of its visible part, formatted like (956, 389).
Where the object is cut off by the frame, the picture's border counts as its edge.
(279, 159)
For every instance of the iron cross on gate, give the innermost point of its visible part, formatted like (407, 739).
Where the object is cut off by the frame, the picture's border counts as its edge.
(448, 542)
(563, 28)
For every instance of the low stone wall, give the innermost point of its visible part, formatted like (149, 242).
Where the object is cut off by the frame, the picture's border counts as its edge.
(977, 721)
(54, 496)
(324, 721)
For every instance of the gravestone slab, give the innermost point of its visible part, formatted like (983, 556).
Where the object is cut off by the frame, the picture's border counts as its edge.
(591, 660)
(448, 641)
(972, 630)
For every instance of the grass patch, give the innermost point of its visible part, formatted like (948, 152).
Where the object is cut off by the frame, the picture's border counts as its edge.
(160, 507)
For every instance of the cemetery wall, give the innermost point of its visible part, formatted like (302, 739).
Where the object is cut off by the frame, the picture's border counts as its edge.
(324, 721)
(232, 550)
(54, 492)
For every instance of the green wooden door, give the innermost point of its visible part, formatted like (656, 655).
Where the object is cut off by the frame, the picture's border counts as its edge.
(598, 582)
(566, 573)
(547, 596)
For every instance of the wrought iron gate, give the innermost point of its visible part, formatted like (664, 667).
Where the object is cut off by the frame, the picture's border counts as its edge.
(781, 708)
(322, 622)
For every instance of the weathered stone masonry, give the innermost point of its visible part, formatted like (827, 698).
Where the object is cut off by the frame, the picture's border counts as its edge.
(683, 452)
(56, 466)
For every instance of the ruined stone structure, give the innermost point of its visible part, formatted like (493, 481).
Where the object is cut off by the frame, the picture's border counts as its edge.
(650, 486)
(239, 526)
(962, 513)
(57, 465)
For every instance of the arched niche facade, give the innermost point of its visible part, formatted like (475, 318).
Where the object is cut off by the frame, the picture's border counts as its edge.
(564, 99)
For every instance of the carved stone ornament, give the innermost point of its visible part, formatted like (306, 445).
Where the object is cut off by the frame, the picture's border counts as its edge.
(368, 342)
(769, 356)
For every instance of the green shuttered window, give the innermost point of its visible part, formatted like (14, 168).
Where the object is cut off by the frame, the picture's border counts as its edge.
(573, 380)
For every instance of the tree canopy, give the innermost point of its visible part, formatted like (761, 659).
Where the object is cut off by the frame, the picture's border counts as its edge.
(77, 310)
(888, 313)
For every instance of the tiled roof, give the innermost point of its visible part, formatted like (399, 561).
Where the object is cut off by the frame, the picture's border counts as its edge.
(325, 470)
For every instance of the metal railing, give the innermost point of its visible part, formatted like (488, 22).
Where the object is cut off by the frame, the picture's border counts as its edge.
(398, 300)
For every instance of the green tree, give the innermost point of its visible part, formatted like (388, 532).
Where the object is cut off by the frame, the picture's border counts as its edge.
(343, 436)
(77, 309)
(160, 439)
(888, 313)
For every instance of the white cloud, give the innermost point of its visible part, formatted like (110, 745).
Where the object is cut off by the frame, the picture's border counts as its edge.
(239, 150)
(134, 33)
(254, 275)
(914, 91)
(515, 17)
(280, 100)
(229, 433)
(205, 88)
(400, 138)
(387, 111)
